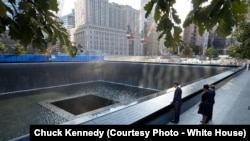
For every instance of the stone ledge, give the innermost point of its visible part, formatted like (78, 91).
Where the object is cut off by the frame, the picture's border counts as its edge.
(146, 107)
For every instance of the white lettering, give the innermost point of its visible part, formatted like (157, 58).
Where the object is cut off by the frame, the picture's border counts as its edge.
(97, 133)
(159, 132)
(41, 132)
(219, 132)
(113, 132)
(197, 132)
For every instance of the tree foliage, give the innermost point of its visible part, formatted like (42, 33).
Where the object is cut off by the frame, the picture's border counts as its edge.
(3, 48)
(19, 49)
(234, 51)
(223, 14)
(211, 53)
(196, 49)
(242, 34)
(34, 23)
(187, 52)
(167, 19)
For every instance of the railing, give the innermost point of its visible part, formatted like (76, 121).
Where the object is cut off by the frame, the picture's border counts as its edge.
(47, 58)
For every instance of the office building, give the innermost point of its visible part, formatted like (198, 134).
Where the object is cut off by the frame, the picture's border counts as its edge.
(103, 26)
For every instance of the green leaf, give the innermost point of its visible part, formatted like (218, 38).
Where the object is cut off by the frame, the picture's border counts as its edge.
(157, 15)
(239, 10)
(177, 32)
(175, 17)
(34, 24)
(162, 4)
(198, 3)
(45, 4)
(53, 5)
(2, 9)
(214, 8)
(165, 24)
(201, 28)
(189, 19)
(148, 8)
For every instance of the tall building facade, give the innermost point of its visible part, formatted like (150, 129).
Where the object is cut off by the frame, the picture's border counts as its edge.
(69, 20)
(149, 37)
(192, 36)
(102, 26)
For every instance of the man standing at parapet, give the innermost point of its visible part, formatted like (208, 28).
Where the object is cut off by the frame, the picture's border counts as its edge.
(177, 101)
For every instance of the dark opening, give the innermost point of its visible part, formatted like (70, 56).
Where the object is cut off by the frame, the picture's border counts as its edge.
(83, 104)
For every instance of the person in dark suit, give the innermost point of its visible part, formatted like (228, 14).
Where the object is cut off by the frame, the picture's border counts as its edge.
(204, 104)
(211, 102)
(177, 101)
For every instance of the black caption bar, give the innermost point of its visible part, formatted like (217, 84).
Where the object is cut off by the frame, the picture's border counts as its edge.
(80, 132)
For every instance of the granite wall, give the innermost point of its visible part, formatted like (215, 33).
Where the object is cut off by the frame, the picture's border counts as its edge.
(28, 76)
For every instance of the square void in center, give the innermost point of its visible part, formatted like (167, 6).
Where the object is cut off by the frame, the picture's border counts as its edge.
(83, 104)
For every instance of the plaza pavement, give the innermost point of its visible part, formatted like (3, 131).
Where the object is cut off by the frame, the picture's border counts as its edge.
(232, 104)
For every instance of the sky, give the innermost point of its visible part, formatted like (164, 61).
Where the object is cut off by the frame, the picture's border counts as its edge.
(182, 6)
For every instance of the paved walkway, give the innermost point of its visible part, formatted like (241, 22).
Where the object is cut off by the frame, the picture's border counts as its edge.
(232, 104)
